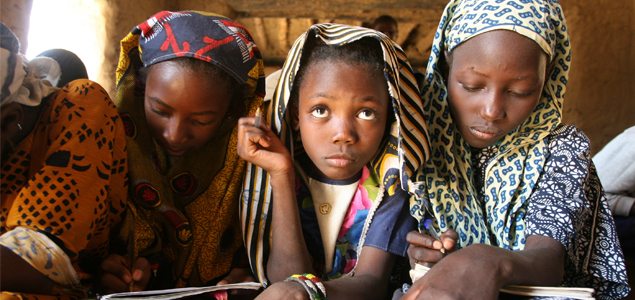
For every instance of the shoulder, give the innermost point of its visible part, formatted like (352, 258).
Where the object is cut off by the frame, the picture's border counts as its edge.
(83, 89)
(568, 138)
(85, 96)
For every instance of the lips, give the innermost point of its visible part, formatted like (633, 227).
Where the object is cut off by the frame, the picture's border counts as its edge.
(485, 132)
(339, 160)
(174, 151)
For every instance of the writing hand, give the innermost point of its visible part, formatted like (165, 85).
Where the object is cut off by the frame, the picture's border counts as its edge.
(426, 250)
(117, 276)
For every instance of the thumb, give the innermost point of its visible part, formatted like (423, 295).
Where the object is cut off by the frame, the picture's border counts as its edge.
(449, 239)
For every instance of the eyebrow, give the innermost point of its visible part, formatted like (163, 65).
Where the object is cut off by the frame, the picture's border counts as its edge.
(519, 78)
(157, 100)
(473, 70)
(327, 96)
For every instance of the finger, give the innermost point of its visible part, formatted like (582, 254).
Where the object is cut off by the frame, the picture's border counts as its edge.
(449, 239)
(421, 240)
(411, 294)
(117, 265)
(264, 141)
(141, 273)
(113, 284)
(424, 255)
(220, 295)
(257, 136)
(246, 121)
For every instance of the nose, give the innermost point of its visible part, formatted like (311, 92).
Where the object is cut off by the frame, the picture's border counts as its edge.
(494, 107)
(175, 132)
(345, 132)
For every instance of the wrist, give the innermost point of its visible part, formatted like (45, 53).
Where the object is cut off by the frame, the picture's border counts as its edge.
(311, 284)
(505, 270)
(283, 175)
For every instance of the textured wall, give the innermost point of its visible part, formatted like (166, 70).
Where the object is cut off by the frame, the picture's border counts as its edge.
(601, 94)
(15, 14)
(121, 17)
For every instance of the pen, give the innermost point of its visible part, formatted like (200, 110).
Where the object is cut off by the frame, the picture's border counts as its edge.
(132, 255)
(258, 118)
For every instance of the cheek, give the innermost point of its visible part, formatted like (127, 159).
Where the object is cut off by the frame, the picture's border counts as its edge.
(155, 123)
(523, 111)
(201, 135)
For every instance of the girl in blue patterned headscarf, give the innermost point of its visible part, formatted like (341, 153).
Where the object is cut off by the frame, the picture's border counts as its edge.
(504, 171)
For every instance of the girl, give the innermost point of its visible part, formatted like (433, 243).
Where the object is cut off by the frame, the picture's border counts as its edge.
(183, 80)
(63, 178)
(346, 134)
(509, 185)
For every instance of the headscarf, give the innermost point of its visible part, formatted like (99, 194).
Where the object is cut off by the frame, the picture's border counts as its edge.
(23, 82)
(446, 189)
(71, 66)
(195, 197)
(406, 148)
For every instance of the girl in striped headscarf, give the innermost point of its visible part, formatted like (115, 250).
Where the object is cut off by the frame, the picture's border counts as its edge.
(342, 137)
(509, 186)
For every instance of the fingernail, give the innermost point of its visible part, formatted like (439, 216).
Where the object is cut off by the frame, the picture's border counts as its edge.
(437, 245)
(137, 275)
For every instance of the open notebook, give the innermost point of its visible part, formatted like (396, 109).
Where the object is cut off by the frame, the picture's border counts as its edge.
(182, 292)
(525, 290)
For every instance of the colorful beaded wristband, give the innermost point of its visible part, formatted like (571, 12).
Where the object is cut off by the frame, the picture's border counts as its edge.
(311, 284)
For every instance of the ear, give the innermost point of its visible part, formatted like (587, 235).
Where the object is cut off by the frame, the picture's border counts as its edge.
(444, 65)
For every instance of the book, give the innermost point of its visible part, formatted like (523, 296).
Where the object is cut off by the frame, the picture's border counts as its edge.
(525, 290)
(180, 293)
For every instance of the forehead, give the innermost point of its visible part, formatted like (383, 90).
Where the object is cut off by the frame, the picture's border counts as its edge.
(175, 84)
(340, 72)
(498, 43)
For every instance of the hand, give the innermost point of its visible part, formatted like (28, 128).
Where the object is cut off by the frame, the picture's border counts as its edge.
(426, 250)
(469, 273)
(118, 277)
(261, 147)
(284, 290)
(236, 275)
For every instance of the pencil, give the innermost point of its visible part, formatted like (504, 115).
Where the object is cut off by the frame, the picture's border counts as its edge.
(258, 118)
(132, 255)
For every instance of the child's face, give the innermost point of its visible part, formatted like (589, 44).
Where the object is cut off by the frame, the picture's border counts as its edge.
(183, 110)
(342, 114)
(495, 80)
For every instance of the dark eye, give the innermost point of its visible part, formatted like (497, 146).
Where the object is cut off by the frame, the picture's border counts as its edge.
(160, 112)
(319, 112)
(367, 114)
(519, 94)
(470, 88)
(203, 123)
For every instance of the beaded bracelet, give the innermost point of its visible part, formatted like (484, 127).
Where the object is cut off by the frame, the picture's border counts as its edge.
(312, 285)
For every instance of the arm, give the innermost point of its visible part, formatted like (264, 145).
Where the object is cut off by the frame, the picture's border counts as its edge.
(370, 280)
(259, 146)
(621, 205)
(27, 280)
(479, 271)
(371, 277)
